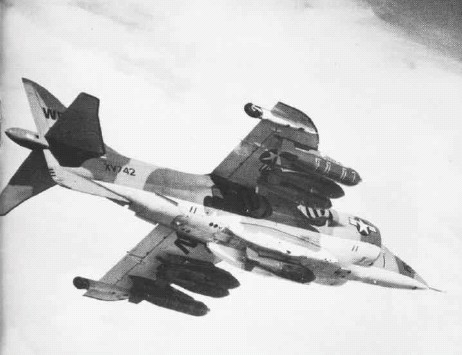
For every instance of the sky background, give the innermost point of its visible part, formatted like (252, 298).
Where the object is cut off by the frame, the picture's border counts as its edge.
(382, 82)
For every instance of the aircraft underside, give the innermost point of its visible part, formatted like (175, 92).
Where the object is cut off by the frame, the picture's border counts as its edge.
(265, 209)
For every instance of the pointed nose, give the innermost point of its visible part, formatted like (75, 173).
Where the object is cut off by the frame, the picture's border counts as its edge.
(418, 278)
(406, 270)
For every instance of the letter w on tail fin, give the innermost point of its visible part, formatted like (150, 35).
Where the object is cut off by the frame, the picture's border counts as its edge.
(45, 107)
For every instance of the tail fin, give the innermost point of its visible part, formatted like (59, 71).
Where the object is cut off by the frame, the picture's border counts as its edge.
(30, 179)
(33, 177)
(73, 135)
(46, 109)
(77, 136)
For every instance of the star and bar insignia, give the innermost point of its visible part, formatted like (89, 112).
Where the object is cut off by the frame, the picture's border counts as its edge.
(363, 227)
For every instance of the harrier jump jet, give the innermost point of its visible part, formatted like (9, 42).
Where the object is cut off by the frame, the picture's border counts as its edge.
(266, 208)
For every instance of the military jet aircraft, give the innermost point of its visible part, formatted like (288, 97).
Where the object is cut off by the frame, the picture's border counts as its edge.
(266, 208)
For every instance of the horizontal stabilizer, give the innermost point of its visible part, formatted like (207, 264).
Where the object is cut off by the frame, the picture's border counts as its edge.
(77, 136)
(30, 179)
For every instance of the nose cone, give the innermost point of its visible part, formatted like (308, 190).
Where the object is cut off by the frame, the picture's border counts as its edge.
(418, 278)
(406, 270)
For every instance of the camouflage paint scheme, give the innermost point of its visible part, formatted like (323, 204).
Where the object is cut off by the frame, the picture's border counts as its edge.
(266, 208)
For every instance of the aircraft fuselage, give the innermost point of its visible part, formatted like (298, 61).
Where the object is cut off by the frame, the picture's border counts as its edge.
(179, 200)
(266, 208)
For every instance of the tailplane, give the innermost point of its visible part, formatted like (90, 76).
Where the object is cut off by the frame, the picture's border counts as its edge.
(30, 179)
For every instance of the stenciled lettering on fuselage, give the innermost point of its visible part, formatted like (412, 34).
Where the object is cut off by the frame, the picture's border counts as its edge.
(51, 114)
(363, 227)
(119, 169)
(317, 216)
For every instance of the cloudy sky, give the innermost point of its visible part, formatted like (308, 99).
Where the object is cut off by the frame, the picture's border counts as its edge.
(383, 83)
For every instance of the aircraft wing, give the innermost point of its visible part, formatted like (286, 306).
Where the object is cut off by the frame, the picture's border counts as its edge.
(161, 259)
(279, 158)
(143, 259)
(245, 163)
